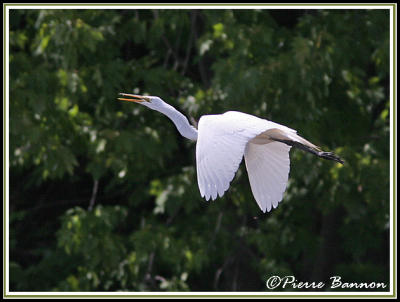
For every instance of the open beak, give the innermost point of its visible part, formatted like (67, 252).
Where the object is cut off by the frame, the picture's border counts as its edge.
(134, 98)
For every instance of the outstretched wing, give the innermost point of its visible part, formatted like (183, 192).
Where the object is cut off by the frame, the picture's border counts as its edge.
(268, 169)
(221, 144)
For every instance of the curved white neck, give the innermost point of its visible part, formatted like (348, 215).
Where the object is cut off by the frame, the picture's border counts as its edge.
(180, 121)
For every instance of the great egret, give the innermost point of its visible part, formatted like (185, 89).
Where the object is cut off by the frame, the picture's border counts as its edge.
(223, 139)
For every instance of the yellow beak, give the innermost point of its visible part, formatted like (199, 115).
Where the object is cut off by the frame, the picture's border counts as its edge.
(134, 98)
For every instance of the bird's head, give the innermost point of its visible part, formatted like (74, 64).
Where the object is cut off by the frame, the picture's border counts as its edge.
(152, 102)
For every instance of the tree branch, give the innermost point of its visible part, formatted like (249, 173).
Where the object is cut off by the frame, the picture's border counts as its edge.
(193, 16)
(202, 69)
(168, 44)
(94, 194)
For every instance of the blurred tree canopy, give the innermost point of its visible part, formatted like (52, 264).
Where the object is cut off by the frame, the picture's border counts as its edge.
(103, 194)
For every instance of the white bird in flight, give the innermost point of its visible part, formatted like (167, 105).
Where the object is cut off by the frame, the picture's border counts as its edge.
(223, 139)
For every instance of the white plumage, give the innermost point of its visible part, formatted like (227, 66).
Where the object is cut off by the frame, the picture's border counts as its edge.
(222, 142)
(268, 169)
(224, 139)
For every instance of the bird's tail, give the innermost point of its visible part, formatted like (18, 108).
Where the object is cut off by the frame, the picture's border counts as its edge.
(294, 140)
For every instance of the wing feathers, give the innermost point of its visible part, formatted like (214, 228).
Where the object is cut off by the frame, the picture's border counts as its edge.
(268, 169)
(223, 140)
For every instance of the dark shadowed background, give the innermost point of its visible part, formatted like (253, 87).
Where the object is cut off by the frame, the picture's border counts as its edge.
(103, 194)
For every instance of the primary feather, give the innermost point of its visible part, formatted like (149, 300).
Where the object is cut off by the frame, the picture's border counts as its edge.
(268, 169)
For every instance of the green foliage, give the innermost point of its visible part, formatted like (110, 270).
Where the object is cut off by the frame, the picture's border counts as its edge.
(322, 72)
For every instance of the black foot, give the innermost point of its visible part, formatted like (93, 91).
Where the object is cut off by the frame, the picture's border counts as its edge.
(330, 156)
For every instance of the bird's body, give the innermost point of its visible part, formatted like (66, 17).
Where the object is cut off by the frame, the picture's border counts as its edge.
(224, 139)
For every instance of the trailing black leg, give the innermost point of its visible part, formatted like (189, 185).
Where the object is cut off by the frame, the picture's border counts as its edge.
(312, 150)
